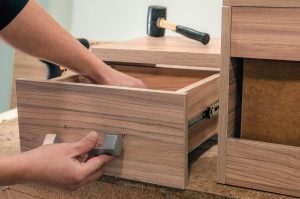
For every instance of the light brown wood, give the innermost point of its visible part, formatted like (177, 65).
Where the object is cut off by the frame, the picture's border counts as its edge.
(262, 3)
(149, 118)
(162, 78)
(224, 92)
(154, 124)
(208, 128)
(163, 50)
(201, 95)
(271, 94)
(270, 167)
(26, 66)
(266, 33)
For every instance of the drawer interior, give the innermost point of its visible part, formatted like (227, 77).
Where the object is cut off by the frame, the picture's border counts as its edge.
(157, 78)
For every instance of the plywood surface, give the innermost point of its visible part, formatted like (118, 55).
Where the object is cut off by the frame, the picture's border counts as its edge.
(271, 106)
(266, 33)
(263, 3)
(163, 50)
(258, 165)
(154, 123)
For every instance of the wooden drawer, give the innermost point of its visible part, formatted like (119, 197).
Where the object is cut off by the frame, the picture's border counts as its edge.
(266, 33)
(158, 123)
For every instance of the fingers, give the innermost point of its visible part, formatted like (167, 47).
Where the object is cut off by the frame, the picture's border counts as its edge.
(94, 176)
(96, 163)
(86, 144)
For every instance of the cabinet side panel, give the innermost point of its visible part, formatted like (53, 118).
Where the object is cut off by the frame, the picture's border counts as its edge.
(153, 125)
(224, 92)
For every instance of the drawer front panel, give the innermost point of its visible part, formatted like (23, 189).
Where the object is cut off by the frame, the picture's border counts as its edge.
(266, 33)
(153, 125)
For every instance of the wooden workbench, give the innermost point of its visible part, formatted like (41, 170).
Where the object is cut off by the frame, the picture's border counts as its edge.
(202, 178)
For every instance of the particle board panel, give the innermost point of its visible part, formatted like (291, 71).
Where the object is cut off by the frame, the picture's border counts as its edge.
(154, 125)
(271, 94)
(258, 165)
(266, 33)
(162, 50)
(264, 3)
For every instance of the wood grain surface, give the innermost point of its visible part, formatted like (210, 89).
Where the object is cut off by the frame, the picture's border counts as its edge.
(266, 33)
(224, 92)
(26, 66)
(202, 94)
(262, 3)
(271, 94)
(162, 50)
(162, 78)
(154, 125)
(269, 167)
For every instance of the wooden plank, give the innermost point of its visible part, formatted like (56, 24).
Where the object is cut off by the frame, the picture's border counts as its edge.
(201, 95)
(26, 66)
(271, 94)
(266, 33)
(154, 123)
(163, 50)
(202, 132)
(224, 92)
(264, 3)
(258, 165)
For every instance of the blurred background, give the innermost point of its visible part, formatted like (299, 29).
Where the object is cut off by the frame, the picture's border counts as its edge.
(113, 20)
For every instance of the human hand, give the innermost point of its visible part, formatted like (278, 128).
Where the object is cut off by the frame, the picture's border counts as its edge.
(116, 78)
(57, 164)
(109, 76)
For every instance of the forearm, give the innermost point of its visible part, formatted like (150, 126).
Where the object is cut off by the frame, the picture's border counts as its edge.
(35, 32)
(11, 170)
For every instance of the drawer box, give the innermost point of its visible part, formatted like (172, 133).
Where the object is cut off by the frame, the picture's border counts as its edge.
(266, 33)
(160, 124)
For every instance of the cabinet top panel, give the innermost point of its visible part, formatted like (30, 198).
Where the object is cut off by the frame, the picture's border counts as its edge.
(262, 3)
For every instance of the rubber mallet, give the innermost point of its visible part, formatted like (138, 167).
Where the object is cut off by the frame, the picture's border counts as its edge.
(157, 23)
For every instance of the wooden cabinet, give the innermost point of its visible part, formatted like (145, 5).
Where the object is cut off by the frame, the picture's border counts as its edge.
(266, 33)
(259, 96)
(160, 125)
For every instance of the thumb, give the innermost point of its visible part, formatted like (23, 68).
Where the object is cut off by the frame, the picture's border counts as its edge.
(86, 144)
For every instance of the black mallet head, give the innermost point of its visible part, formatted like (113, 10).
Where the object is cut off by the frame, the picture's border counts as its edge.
(154, 13)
